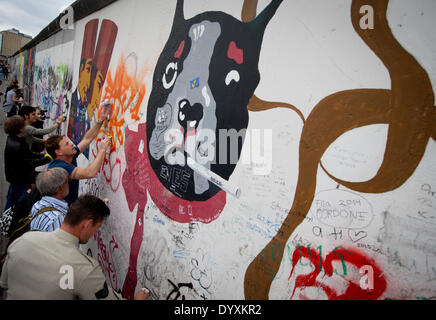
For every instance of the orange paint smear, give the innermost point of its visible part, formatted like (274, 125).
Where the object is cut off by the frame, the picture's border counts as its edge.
(127, 91)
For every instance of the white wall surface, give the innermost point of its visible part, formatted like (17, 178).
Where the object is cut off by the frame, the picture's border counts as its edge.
(310, 50)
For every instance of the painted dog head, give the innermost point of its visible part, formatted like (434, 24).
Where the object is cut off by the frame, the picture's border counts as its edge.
(202, 83)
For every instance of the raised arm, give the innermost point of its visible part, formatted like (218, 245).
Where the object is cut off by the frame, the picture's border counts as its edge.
(41, 132)
(92, 170)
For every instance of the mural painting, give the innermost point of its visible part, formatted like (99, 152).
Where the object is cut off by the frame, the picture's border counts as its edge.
(354, 289)
(185, 100)
(94, 63)
(169, 124)
(28, 72)
(127, 90)
(181, 105)
(408, 109)
(52, 89)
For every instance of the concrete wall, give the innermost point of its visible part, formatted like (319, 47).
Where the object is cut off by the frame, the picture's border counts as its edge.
(337, 171)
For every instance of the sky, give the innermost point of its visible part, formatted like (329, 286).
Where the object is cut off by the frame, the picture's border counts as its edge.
(30, 16)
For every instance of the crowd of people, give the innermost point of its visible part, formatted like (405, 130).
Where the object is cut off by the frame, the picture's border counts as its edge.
(13, 98)
(60, 219)
(4, 70)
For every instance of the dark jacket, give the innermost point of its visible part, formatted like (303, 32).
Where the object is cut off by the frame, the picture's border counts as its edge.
(20, 162)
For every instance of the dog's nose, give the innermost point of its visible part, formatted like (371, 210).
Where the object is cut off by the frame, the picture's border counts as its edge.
(189, 115)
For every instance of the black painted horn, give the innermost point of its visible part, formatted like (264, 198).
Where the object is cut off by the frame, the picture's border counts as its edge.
(263, 18)
(179, 15)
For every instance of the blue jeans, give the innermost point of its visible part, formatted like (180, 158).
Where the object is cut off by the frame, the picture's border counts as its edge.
(15, 193)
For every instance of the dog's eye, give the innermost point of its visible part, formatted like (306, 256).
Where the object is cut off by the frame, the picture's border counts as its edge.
(170, 73)
(232, 76)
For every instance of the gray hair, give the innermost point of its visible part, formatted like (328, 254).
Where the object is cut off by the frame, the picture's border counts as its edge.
(49, 182)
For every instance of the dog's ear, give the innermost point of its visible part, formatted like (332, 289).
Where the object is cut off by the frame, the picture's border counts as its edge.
(259, 24)
(179, 16)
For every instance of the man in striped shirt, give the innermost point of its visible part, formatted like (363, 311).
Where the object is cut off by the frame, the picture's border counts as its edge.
(50, 211)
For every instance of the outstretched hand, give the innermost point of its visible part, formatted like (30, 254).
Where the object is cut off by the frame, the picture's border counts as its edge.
(59, 120)
(105, 113)
(106, 143)
(142, 295)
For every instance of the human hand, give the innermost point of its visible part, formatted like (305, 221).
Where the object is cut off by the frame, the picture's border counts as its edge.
(106, 143)
(105, 113)
(59, 120)
(142, 294)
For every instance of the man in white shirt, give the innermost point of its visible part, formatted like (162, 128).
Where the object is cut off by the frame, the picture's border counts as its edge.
(51, 266)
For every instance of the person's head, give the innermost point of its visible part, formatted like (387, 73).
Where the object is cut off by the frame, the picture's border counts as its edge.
(85, 216)
(97, 82)
(59, 146)
(14, 87)
(53, 183)
(84, 78)
(38, 112)
(28, 113)
(14, 125)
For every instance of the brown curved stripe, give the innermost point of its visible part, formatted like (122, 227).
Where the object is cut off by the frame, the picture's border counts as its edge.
(255, 104)
(410, 120)
(434, 124)
(249, 10)
(407, 109)
(336, 114)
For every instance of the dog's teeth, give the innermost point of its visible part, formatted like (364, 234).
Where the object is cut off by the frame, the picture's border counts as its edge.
(192, 124)
(181, 116)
